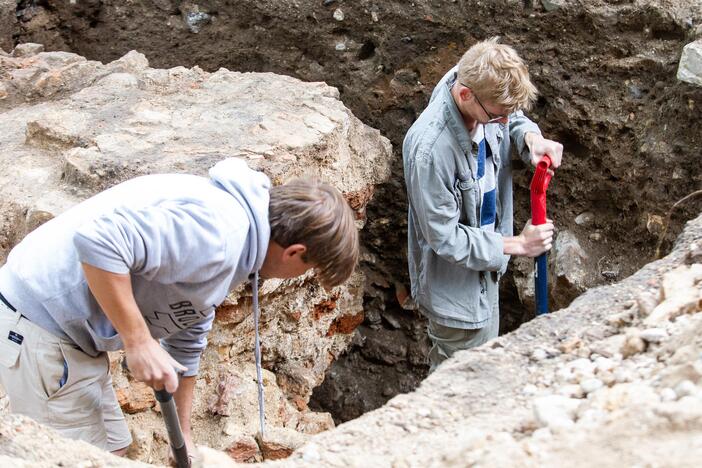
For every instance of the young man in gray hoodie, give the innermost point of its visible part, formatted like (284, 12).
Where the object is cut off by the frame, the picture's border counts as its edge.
(141, 267)
(459, 187)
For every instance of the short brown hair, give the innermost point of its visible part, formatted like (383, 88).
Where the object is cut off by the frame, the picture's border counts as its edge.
(495, 72)
(315, 214)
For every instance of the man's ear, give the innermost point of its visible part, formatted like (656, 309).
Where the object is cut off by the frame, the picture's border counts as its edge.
(465, 93)
(294, 250)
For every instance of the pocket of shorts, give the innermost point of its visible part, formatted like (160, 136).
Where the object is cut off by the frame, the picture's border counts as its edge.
(53, 368)
(10, 345)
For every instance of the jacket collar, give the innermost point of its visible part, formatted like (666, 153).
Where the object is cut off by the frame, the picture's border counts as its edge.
(453, 116)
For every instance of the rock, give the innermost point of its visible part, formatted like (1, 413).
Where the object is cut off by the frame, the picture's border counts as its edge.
(690, 67)
(211, 458)
(551, 5)
(633, 345)
(572, 391)
(603, 364)
(338, 14)
(556, 412)
(8, 23)
(279, 442)
(72, 127)
(136, 398)
(244, 449)
(538, 355)
(653, 335)
(131, 62)
(142, 444)
(570, 270)
(27, 49)
(679, 293)
(591, 385)
(194, 19)
(310, 453)
(685, 388)
(668, 394)
(585, 219)
(310, 422)
(29, 444)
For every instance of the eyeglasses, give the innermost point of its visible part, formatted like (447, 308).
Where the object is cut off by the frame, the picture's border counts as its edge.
(492, 117)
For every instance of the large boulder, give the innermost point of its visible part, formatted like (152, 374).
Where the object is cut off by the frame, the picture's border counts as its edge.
(72, 127)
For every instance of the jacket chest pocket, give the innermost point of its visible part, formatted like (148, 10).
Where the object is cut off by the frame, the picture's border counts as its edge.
(466, 193)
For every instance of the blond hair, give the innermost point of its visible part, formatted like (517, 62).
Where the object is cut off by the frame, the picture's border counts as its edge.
(496, 73)
(315, 214)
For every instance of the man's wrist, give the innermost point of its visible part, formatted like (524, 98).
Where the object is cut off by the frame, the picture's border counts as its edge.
(513, 245)
(136, 338)
(529, 138)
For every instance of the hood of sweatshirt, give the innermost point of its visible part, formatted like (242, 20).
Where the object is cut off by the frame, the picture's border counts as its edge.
(251, 189)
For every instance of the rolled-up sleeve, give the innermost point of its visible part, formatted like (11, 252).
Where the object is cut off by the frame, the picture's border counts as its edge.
(430, 188)
(187, 345)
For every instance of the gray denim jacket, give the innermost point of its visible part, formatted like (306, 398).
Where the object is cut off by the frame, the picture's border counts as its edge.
(448, 253)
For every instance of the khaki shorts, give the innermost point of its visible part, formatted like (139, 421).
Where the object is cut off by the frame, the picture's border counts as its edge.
(55, 383)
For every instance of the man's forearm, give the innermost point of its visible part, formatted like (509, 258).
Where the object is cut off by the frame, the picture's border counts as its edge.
(113, 293)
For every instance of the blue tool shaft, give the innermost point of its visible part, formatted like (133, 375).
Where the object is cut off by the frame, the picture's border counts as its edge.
(541, 284)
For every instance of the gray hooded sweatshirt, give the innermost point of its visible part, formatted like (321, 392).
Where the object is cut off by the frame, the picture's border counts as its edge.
(185, 240)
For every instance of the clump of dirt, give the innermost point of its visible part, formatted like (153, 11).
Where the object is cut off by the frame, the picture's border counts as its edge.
(605, 70)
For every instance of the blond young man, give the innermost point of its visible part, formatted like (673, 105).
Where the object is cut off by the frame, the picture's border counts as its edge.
(459, 184)
(141, 267)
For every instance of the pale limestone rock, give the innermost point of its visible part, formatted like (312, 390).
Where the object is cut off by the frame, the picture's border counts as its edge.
(653, 335)
(27, 49)
(556, 412)
(124, 119)
(633, 345)
(681, 292)
(591, 385)
(690, 67)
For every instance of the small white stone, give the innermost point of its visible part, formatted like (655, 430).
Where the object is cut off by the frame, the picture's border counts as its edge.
(338, 14)
(374, 16)
(668, 394)
(310, 453)
(555, 411)
(571, 391)
(543, 433)
(340, 46)
(653, 335)
(530, 389)
(591, 385)
(539, 354)
(603, 364)
(685, 388)
(583, 219)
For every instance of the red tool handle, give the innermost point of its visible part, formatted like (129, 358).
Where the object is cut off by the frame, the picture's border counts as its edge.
(539, 184)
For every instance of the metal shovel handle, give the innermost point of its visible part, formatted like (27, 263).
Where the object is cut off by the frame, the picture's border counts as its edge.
(175, 434)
